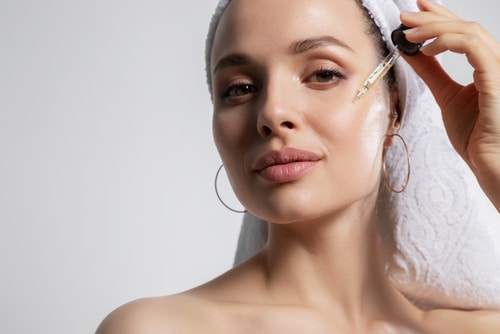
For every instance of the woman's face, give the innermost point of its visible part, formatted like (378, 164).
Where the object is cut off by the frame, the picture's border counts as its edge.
(294, 143)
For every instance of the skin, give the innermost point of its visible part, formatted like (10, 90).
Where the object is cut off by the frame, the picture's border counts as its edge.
(470, 113)
(293, 109)
(323, 270)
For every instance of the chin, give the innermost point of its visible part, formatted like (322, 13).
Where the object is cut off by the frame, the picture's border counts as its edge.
(289, 214)
(295, 210)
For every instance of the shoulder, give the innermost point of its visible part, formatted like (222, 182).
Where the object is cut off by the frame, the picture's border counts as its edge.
(210, 308)
(171, 314)
(451, 321)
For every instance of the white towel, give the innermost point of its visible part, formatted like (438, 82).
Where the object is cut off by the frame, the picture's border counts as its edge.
(445, 253)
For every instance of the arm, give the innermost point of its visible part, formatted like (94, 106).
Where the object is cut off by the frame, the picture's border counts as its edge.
(471, 113)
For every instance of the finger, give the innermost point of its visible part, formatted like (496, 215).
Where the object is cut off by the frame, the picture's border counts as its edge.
(432, 11)
(442, 86)
(469, 30)
(485, 64)
(430, 6)
(480, 56)
(418, 19)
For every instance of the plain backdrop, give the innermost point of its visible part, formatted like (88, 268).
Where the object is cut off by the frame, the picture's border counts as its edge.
(106, 157)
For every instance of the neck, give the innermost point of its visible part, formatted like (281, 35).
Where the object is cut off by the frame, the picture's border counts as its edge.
(334, 264)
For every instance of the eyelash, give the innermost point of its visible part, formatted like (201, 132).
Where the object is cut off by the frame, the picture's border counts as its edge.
(329, 71)
(226, 93)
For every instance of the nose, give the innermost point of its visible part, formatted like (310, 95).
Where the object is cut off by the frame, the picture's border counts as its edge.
(277, 114)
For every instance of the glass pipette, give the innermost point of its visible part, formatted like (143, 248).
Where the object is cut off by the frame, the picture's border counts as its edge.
(379, 72)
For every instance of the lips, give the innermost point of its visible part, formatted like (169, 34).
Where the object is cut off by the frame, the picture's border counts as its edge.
(286, 165)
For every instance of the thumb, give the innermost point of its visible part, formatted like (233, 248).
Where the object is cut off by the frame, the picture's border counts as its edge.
(442, 86)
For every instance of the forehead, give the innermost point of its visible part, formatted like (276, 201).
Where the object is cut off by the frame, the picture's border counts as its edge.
(253, 24)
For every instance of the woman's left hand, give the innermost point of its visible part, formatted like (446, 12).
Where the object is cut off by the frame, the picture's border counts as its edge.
(471, 113)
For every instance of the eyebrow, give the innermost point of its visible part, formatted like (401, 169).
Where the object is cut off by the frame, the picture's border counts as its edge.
(298, 47)
(317, 42)
(231, 60)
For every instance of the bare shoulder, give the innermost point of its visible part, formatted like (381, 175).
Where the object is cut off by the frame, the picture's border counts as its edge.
(451, 321)
(170, 314)
(209, 308)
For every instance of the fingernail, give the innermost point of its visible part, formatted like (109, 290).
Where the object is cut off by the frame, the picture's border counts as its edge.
(424, 48)
(411, 30)
(408, 13)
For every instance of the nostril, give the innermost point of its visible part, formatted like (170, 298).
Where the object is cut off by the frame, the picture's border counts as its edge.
(266, 130)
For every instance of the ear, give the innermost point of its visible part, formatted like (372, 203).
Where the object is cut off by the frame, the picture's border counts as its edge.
(395, 116)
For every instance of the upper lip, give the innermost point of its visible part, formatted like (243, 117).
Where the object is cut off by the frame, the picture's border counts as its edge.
(284, 156)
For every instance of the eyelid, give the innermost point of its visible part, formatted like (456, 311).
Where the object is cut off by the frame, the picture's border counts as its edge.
(222, 82)
(247, 87)
(330, 68)
(234, 85)
(324, 58)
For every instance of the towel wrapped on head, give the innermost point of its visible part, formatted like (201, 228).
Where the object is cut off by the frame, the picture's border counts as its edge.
(439, 232)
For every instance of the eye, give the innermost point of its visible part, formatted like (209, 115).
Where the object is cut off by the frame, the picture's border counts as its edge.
(326, 75)
(239, 90)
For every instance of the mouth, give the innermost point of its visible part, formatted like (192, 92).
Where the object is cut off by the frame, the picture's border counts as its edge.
(286, 165)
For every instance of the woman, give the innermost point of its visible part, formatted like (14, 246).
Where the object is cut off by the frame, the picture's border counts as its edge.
(302, 153)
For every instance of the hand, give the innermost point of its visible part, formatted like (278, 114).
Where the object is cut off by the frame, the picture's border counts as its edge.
(471, 113)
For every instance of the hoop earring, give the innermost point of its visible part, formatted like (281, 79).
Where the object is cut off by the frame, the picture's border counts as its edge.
(218, 195)
(397, 191)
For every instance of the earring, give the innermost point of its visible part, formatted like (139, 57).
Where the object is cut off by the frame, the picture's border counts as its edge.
(397, 191)
(218, 195)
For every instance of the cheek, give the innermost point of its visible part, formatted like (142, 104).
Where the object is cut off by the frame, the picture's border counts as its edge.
(232, 137)
(227, 128)
(371, 140)
(220, 134)
(361, 125)
(232, 133)
(354, 135)
(372, 131)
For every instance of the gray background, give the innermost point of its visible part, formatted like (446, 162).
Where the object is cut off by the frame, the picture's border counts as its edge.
(106, 157)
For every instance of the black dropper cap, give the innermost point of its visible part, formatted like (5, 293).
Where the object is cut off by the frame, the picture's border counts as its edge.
(399, 39)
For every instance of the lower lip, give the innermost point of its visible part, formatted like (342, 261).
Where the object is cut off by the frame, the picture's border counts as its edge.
(287, 172)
